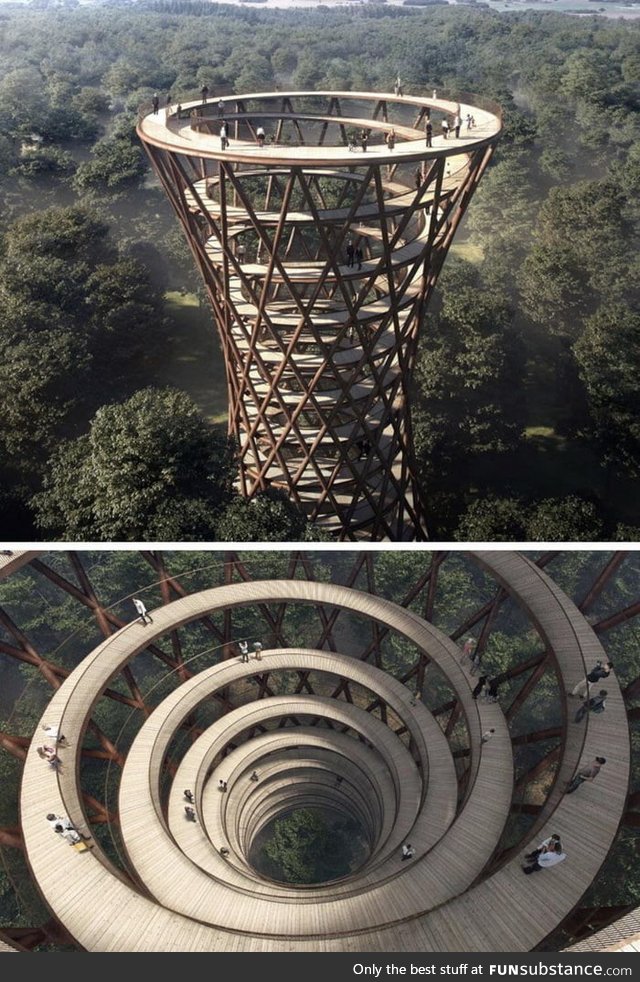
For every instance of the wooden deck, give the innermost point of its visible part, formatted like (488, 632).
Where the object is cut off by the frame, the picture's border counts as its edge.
(434, 903)
(165, 130)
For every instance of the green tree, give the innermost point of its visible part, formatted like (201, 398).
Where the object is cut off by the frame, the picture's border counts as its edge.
(608, 356)
(305, 849)
(149, 468)
(570, 519)
(492, 519)
(467, 376)
(580, 257)
(269, 517)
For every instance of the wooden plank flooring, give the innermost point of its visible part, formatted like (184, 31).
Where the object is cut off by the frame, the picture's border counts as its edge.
(163, 129)
(506, 912)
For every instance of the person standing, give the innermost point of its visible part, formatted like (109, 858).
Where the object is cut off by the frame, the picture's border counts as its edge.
(445, 128)
(257, 648)
(244, 651)
(204, 92)
(350, 251)
(415, 699)
(596, 704)
(142, 611)
(364, 137)
(408, 852)
(224, 142)
(254, 776)
(220, 109)
(155, 102)
(189, 813)
(456, 125)
(188, 795)
(482, 681)
(476, 661)
(467, 649)
(358, 256)
(599, 671)
(260, 136)
(588, 773)
(492, 691)
(428, 132)
(390, 139)
(487, 735)
(418, 178)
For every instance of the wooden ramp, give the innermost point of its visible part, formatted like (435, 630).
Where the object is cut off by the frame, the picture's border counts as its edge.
(182, 895)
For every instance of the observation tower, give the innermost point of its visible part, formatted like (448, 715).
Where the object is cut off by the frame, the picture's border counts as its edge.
(319, 246)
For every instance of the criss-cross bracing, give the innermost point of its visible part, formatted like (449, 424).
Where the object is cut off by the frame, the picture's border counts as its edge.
(320, 244)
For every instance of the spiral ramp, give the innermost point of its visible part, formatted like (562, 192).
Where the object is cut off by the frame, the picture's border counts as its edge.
(396, 774)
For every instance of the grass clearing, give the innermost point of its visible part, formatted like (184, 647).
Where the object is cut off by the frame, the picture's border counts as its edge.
(191, 356)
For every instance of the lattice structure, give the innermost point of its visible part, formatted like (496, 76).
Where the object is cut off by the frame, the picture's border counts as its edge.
(320, 246)
(304, 716)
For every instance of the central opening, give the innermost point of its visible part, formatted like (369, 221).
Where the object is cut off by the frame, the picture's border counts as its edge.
(309, 845)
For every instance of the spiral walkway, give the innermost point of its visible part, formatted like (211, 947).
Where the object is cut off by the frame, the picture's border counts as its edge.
(379, 757)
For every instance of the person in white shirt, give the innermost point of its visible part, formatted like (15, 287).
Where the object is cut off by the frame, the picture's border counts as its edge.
(487, 735)
(545, 846)
(244, 651)
(408, 852)
(546, 860)
(142, 611)
(53, 732)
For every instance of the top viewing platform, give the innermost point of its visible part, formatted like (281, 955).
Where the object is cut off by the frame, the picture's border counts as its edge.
(320, 129)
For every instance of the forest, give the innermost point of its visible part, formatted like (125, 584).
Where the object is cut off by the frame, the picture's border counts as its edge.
(524, 406)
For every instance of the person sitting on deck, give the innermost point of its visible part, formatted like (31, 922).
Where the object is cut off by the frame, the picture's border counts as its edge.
(53, 732)
(65, 827)
(408, 852)
(546, 860)
(49, 754)
(545, 846)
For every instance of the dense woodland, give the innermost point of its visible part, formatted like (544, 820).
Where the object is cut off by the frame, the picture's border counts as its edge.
(525, 404)
(63, 630)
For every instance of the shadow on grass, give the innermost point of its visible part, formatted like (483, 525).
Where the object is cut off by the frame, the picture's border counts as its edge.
(191, 356)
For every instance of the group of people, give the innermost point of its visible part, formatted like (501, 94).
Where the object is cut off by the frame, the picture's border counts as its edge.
(49, 751)
(549, 853)
(244, 651)
(486, 689)
(591, 703)
(65, 828)
(354, 254)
